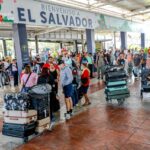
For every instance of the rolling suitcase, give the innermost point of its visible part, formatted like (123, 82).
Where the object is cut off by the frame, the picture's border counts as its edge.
(43, 124)
(17, 130)
(20, 120)
(12, 113)
(20, 117)
(17, 101)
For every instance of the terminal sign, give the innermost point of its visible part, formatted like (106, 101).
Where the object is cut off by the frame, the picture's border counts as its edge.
(53, 15)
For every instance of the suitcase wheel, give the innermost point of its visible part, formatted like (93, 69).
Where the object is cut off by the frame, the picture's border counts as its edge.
(25, 139)
(120, 101)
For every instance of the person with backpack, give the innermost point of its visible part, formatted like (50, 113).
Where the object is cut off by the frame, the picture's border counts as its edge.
(28, 79)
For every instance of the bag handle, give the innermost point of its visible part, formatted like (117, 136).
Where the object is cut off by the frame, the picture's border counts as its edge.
(26, 81)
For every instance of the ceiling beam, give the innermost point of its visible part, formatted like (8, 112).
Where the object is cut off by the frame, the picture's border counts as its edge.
(49, 30)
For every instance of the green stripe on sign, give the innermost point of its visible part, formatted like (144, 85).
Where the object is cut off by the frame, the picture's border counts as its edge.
(0, 7)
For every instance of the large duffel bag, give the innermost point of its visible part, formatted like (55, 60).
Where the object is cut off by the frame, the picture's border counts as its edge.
(20, 117)
(18, 130)
(17, 101)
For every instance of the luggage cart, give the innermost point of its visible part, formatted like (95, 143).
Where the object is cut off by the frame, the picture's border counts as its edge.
(116, 85)
(145, 85)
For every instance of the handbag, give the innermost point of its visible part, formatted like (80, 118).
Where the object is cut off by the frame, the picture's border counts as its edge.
(24, 89)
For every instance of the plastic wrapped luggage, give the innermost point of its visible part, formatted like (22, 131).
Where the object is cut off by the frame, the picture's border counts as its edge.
(19, 130)
(43, 124)
(20, 117)
(40, 90)
(17, 101)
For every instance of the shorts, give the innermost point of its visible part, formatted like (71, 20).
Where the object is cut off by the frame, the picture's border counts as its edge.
(84, 89)
(67, 89)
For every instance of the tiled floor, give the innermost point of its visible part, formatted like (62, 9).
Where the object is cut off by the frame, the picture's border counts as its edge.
(101, 126)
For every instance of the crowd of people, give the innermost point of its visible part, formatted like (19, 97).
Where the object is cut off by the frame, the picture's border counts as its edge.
(72, 71)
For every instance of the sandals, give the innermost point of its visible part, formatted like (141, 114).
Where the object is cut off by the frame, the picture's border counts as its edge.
(86, 104)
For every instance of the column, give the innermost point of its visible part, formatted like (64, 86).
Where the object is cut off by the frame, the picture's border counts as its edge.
(21, 45)
(114, 40)
(82, 41)
(123, 36)
(61, 45)
(76, 46)
(36, 44)
(90, 38)
(4, 47)
(142, 40)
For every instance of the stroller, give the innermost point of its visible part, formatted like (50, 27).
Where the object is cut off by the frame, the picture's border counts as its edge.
(145, 81)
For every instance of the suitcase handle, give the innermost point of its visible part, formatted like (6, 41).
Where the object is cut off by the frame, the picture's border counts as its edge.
(13, 118)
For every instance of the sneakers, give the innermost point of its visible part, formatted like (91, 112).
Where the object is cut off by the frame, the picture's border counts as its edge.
(67, 116)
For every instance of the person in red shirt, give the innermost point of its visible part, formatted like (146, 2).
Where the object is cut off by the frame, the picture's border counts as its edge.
(85, 81)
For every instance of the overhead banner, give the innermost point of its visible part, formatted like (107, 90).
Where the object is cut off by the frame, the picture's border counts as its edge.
(41, 13)
(116, 24)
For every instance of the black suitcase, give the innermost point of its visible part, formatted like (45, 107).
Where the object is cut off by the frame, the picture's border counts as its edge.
(39, 103)
(41, 114)
(54, 102)
(17, 101)
(20, 131)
